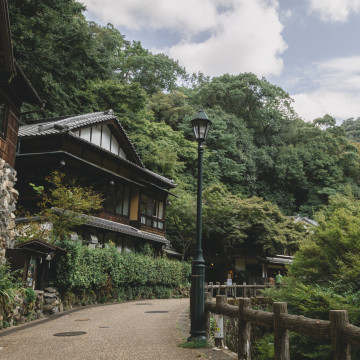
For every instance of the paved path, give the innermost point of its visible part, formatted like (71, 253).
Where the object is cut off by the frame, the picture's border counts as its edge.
(122, 331)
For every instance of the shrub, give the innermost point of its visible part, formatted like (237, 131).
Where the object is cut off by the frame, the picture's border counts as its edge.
(30, 295)
(126, 275)
(9, 284)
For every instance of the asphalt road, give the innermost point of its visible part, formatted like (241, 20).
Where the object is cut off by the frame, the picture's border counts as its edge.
(135, 330)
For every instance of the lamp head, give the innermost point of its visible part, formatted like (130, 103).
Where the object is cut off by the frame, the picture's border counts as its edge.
(201, 125)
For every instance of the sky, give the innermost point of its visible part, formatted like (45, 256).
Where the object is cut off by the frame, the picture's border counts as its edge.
(310, 48)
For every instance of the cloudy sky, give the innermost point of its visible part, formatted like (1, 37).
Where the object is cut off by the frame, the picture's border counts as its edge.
(311, 48)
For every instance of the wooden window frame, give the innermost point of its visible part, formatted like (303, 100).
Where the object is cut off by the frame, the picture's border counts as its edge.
(5, 120)
(117, 187)
(146, 218)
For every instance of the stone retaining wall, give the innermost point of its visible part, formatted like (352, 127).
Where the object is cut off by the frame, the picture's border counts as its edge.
(46, 303)
(8, 198)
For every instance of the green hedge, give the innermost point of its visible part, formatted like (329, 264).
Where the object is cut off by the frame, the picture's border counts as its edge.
(110, 273)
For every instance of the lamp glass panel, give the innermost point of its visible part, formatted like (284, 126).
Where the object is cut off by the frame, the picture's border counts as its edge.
(202, 129)
(196, 132)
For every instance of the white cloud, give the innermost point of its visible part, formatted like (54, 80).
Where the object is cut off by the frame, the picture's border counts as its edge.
(336, 84)
(334, 10)
(246, 39)
(237, 35)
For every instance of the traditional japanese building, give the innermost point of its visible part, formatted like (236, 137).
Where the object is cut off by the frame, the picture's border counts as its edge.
(95, 150)
(15, 89)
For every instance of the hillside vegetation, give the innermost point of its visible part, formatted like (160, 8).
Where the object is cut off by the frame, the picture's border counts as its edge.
(260, 157)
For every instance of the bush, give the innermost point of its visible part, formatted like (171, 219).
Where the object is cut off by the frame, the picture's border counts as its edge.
(314, 302)
(30, 295)
(126, 275)
(9, 284)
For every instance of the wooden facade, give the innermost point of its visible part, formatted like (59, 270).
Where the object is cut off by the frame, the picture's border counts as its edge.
(14, 90)
(94, 150)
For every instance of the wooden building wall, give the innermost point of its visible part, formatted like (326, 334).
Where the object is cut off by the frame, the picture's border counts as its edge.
(9, 142)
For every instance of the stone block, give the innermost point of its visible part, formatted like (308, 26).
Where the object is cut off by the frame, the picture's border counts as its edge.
(49, 295)
(50, 290)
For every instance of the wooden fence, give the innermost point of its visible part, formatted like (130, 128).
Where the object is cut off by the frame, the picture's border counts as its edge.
(338, 329)
(235, 290)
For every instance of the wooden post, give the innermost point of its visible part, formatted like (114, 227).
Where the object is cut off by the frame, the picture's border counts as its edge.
(244, 290)
(211, 290)
(244, 331)
(234, 289)
(281, 335)
(226, 289)
(218, 289)
(207, 315)
(221, 300)
(338, 320)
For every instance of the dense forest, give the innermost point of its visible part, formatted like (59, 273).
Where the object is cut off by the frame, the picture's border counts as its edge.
(262, 162)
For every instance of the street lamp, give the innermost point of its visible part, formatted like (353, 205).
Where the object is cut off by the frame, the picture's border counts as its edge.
(201, 125)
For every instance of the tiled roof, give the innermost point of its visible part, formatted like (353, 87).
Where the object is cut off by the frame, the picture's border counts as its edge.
(64, 124)
(124, 229)
(67, 124)
(109, 225)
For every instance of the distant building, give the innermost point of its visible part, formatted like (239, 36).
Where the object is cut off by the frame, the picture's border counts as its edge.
(95, 150)
(247, 264)
(15, 89)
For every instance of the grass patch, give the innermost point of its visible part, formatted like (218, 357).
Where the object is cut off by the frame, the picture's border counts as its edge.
(195, 344)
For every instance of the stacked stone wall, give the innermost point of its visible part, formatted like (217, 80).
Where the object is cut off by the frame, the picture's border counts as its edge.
(21, 311)
(8, 198)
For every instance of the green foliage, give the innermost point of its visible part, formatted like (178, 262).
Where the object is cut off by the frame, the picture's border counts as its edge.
(264, 347)
(125, 275)
(331, 254)
(181, 224)
(195, 344)
(9, 284)
(324, 274)
(352, 129)
(30, 295)
(313, 302)
(63, 204)
(248, 222)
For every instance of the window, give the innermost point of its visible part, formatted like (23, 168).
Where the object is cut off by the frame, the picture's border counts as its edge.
(117, 199)
(3, 120)
(152, 212)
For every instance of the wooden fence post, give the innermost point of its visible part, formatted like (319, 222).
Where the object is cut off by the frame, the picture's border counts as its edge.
(211, 290)
(218, 289)
(244, 331)
(338, 320)
(221, 300)
(208, 297)
(281, 335)
(234, 288)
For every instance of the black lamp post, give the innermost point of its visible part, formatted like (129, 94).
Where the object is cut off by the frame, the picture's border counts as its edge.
(201, 125)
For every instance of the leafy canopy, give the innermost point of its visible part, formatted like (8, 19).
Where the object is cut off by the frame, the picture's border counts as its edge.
(63, 206)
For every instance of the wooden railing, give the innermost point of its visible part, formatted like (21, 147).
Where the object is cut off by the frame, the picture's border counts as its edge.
(235, 290)
(338, 329)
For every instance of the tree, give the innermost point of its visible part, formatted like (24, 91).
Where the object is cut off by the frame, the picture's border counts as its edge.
(170, 108)
(101, 95)
(181, 222)
(153, 72)
(56, 50)
(265, 108)
(250, 223)
(325, 122)
(331, 254)
(63, 205)
(352, 129)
